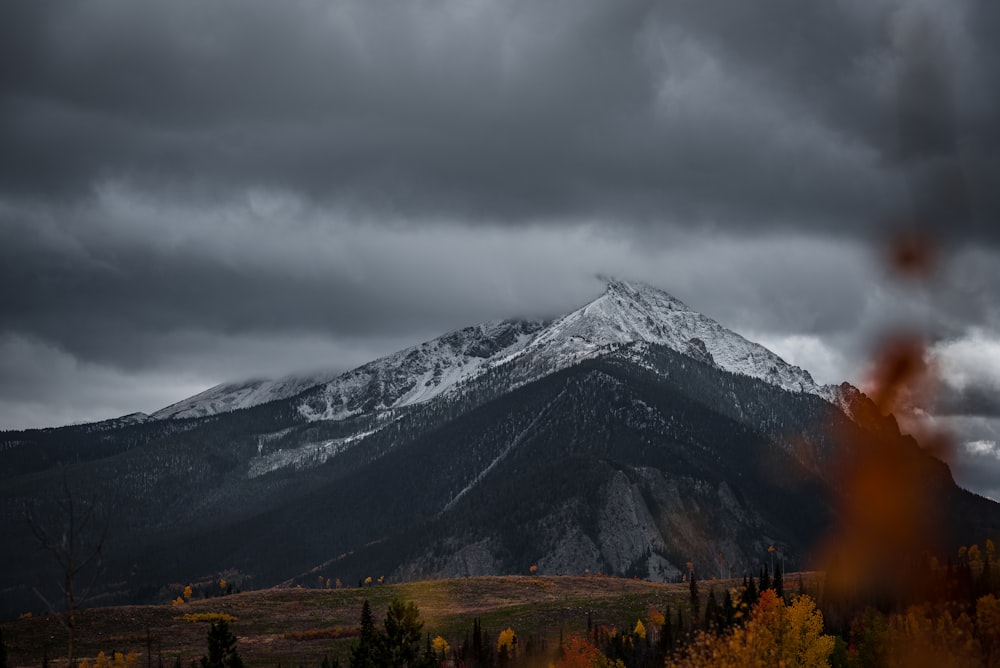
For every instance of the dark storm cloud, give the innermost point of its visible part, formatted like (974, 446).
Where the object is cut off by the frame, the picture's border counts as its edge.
(780, 113)
(189, 185)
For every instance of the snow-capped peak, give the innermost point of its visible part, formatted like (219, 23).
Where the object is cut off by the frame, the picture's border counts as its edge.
(627, 312)
(631, 312)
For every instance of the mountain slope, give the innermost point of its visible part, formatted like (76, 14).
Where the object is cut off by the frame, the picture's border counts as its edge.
(629, 436)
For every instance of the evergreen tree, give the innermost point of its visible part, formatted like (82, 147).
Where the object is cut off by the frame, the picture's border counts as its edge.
(666, 640)
(695, 605)
(477, 643)
(366, 653)
(221, 647)
(429, 659)
(779, 582)
(711, 612)
(728, 610)
(751, 593)
(3, 651)
(765, 579)
(402, 634)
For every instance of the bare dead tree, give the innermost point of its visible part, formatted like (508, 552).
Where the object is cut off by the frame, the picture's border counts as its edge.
(75, 539)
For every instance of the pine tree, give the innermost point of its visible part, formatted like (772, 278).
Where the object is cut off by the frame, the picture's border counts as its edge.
(666, 641)
(3, 651)
(711, 612)
(366, 653)
(779, 583)
(221, 647)
(728, 610)
(401, 646)
(751, 594)
(765, 579)
(430, 657)
(695, 604)
(477, 642)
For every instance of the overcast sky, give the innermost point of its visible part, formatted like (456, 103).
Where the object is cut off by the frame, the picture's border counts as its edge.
(193, 192)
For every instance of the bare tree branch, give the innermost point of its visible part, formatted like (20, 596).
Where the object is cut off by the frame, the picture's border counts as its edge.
(76, 545)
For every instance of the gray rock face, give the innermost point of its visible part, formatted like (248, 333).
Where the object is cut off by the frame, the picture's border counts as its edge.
(474, 559)
(627, 530)
(697, 349)
(571, 553)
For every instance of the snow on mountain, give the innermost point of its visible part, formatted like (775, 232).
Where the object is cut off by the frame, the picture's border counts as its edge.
(420, 373)
(633, 312)
(118, 422)
(234, 396)
(626, 313)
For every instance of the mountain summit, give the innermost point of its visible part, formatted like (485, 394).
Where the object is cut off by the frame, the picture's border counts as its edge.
(636, 312)
(627, 312)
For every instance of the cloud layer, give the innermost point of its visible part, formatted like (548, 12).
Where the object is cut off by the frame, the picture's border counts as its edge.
(192, 193)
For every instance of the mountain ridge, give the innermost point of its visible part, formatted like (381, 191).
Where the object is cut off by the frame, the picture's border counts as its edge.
(626, 312)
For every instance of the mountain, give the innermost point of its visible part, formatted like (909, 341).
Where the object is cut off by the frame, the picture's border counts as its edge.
(625, 313)
(628, 437)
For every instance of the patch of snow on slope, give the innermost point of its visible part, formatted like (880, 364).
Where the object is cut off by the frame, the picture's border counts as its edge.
(304, 456)
(234, 396)
(418, 374)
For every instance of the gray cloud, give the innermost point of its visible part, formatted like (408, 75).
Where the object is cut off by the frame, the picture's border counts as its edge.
(192, 193)
(782, 114)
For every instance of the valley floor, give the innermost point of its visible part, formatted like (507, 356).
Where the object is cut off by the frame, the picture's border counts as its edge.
(294, 627)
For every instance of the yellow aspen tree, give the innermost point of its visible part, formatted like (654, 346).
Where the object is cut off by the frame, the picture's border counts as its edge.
(187, 593)
(774, 635)
(975, 560)
(923, 638)
(506, 639)
(441, 646)
(640, 629)
(988, 623)
(102, 661)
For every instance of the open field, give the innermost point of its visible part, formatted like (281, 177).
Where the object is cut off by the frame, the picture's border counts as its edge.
(300, 626)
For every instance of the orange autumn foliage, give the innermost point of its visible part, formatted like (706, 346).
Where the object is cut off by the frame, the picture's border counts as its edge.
(775, 635)
(579, 652)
